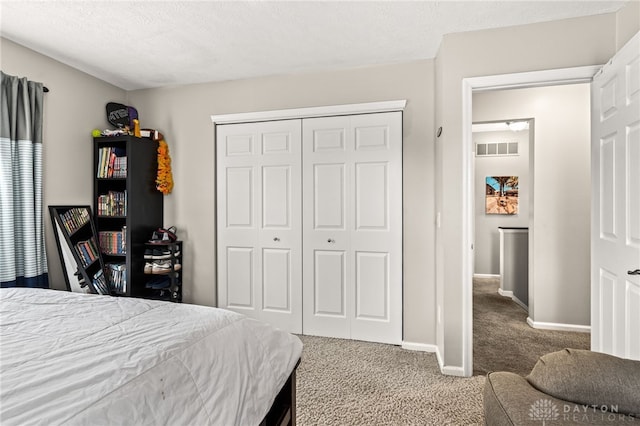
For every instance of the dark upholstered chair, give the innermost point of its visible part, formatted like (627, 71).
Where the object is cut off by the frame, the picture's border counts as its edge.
(566, 387)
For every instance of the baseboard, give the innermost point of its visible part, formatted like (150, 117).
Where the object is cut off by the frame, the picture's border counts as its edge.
(452, 371)
(505, 293)
(447, 369)
(520, 302)
(422, 347)
(508, 293)
(558, 327)
(486, 276)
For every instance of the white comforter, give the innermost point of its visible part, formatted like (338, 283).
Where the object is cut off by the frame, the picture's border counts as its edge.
(70, 358)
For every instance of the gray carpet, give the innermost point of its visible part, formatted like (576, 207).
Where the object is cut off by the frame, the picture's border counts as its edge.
(346, 382)
(502, 339)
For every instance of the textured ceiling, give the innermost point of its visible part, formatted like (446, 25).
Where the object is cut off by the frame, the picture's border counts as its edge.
(144, 44)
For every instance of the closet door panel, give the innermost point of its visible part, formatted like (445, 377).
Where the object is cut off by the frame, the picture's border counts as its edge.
(259, 221)
(275, 143)
(239, 197)
(329, 140)
(276, 280)
(276, 197)
(280, 233)
(372, 196)
(240, 145)
(330, 285)
(327, 301)
(376, 235)
(239, 279)
(370, 136)
(329, 196)
(372, 286)
(352, 197)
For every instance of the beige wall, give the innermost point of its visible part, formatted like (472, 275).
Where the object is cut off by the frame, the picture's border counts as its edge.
(551, 45)
(486, 236)
(74, 106)
(559, 234)
(627, 23)
(183, 115)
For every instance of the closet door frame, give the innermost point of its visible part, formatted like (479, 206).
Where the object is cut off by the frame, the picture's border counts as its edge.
(322, 111)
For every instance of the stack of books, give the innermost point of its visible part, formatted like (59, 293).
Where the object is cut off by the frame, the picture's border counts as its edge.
(100, 283)
(113, 242)
(117, 276)
(112, 163)
(87, 251)
(74, 219)
(113, 203)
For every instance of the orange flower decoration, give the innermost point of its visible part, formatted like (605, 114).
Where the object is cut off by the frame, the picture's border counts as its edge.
(164, 178)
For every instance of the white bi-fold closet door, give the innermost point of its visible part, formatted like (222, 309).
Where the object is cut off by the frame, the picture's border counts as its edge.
(259, 221)
(310, 224)
(352, 227)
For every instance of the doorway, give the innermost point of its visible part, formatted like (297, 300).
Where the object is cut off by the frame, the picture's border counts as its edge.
(557, 220)
(472, 86)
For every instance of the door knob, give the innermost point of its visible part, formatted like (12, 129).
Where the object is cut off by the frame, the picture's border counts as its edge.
(276, 239)
(636, 272)
(331, 240)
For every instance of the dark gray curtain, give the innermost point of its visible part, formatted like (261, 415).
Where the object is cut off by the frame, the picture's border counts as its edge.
(23, 259)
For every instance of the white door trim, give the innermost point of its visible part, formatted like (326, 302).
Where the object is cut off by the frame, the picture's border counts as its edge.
(493, 82)
(534, 78)
(321, 111)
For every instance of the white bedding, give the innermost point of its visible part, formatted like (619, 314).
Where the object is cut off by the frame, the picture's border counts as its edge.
(71, 358)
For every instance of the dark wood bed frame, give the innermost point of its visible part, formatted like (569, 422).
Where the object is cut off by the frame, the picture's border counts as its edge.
(283, 410)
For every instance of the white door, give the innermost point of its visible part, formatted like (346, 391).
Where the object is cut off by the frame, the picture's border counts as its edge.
(352, 228)
(615, 289)
(259, 221)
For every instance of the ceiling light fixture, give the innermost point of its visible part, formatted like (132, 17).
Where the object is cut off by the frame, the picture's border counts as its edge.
(516, 126)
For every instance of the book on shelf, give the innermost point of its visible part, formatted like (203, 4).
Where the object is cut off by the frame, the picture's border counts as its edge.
(113, 203)
(74, 219)
(87, 251)
(117, 276)
(113, 242)
(112, 162)
(99, 282)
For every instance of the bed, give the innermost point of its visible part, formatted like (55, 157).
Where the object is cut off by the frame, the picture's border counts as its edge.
(72, 358)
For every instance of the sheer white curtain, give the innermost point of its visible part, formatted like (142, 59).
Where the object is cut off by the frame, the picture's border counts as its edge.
(23, 259)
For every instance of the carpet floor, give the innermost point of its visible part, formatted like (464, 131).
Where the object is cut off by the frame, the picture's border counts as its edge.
(502, 339)
(348, 382)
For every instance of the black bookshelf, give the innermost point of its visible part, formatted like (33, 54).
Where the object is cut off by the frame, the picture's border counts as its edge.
(126, 202)
(76, 238)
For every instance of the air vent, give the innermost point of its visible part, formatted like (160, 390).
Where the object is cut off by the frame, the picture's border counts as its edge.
(495, 149)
